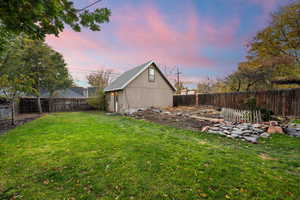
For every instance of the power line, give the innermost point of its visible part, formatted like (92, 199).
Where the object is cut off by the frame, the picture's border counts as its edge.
(88, 6)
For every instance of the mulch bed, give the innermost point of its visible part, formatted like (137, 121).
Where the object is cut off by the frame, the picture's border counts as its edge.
(174, 121)
(6, 125)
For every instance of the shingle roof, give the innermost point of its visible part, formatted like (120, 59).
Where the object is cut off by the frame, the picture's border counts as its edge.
(79, 90)
(66, 93)
(122, 81)
(125, 78)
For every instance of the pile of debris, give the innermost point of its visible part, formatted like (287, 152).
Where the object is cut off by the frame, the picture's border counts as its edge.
(252, 132)
(208, 119)
(293, 130)
(244, 131)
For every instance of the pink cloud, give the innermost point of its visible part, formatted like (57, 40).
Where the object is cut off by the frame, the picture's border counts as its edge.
(138, 34)
(223, 36)
(146, 26)
(147, 30)
(70, 40)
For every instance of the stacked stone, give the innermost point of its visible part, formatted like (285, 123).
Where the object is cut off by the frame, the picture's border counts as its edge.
(244, 131)
(293, 130)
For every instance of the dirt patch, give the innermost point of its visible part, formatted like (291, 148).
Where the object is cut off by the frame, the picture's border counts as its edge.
(203, 111)
(21, 119)
(191, 118)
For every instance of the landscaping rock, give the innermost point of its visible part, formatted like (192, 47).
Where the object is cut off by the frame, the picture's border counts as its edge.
(243, 131)
(205, 129)
(257, 125)
(167, 113)
(292, 131)
(273, 123)
(265, 135)
(251, 139)
(214, 128)
(274, 129)
(247, 132)
(237, 132)
(156, 110)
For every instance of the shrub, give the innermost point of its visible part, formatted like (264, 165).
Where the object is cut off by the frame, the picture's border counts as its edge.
(250, 103)
(266, 114)
(98, 102)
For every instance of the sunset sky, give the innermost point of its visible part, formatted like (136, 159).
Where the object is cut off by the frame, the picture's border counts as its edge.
(205, 38)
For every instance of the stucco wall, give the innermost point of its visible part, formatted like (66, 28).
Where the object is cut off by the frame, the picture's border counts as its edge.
(141, 93)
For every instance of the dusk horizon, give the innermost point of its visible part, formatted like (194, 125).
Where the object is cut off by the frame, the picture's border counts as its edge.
(204, 39)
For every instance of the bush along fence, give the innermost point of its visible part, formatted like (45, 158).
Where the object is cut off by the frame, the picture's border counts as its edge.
(29, 105)
(281, 102)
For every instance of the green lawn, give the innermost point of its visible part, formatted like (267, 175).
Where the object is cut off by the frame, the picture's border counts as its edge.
(94, 156)
(297, 121)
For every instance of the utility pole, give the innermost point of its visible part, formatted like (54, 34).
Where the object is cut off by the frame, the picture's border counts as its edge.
(178, 80)
(178, 74)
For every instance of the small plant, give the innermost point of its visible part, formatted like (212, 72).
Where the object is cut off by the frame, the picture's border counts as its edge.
(266, 114)
(251, 104)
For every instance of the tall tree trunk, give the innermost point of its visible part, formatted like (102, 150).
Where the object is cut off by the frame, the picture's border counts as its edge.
(39, 104)
(13, 114)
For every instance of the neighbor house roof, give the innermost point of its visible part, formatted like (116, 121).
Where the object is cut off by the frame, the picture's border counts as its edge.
(127, 77)
(65, 93)
(79, 90)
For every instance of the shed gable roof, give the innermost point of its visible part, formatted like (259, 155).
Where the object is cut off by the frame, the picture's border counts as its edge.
(127, 77)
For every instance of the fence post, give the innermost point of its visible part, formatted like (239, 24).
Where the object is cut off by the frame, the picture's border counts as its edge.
(197, 102)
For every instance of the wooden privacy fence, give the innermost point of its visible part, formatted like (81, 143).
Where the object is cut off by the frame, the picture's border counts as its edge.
(184, 100)
(281, 102)
(29, 105)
